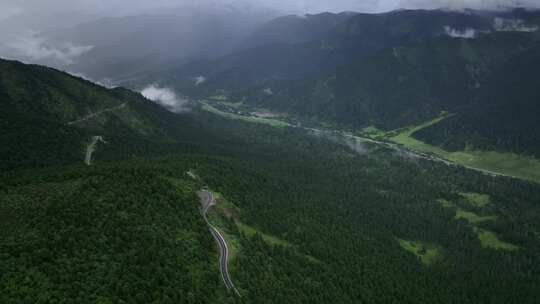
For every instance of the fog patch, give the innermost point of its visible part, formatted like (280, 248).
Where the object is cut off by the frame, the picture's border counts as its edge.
(512, 25)
(166, 97)
(9, 11)
(268, 91)
(407, 155)
(354, 143)
(105, 82)
(31, 46)
(199, 80)
(467, 33)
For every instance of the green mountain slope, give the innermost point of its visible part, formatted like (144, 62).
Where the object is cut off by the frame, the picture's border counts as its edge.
(46, 114)
(309, 220)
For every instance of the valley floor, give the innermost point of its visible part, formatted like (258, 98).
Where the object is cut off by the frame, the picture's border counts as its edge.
(490, 162)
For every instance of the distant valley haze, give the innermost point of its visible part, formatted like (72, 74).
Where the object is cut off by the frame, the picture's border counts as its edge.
(117, 39)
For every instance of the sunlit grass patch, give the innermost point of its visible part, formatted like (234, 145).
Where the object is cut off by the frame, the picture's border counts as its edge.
(476, 199)
(472, 217)
(229, 210)
(445, 203)
(489, 239)
(270, 239)
(251, 119)
(469, 216)
(218, 97)
(373, 131)
(509, 164)
(425, 253)
(232, 104)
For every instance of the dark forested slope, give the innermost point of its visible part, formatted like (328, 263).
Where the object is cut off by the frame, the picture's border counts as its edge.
(390, 70)
(504, 117)
(308, 220)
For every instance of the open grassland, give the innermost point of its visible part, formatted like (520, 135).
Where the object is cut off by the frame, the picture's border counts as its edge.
(251, 119)
(508, 164)
(476, 199)
(218, 98)
(270, 239)
(472, 217)
(229, 210)
(235, 105)
(492, 162)
(426, 253)
(488, 239)
(224, 213)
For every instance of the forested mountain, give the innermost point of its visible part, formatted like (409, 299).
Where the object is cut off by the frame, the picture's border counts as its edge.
(504, 116)
(310, 221)
(295, 29)
(307, 217)
(386, 70)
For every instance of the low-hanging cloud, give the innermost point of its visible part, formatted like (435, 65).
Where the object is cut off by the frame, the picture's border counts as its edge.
(125, 7)
(467, 33)
(32, 46)
(200, 80)
(165, 97)
(8, 11)
(513, 25)
(461, 4)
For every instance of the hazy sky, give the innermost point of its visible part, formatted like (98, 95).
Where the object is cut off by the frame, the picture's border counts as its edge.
(122, 7)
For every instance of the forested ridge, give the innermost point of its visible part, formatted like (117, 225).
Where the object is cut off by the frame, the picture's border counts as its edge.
(509, 122)
(326, 224)
(390, 70)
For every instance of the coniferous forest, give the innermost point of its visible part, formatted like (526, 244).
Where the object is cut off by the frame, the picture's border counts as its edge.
(310, 220)
(333, 158)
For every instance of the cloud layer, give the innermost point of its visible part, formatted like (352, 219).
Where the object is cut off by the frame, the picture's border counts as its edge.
(166, 98)
(468, 33)
(31, 46)
(122, 7)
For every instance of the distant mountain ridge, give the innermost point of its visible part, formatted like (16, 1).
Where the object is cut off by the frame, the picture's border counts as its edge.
(388, 70)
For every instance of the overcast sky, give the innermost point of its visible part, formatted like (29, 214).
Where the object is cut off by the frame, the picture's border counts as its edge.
(123, 7)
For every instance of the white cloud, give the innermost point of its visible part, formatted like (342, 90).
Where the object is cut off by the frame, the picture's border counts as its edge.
(166, 98)
(462, 4)
(199, 80)
(105, 82)
(467, 33)
(268, 91)
(130, 7)
(8, 10)
(31, 46)
(512, 25)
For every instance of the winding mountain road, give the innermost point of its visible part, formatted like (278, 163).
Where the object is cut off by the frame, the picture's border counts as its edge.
(207, 200)
(93, 115)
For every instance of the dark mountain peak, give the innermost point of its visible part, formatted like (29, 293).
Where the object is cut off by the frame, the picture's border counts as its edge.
(296, 29)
